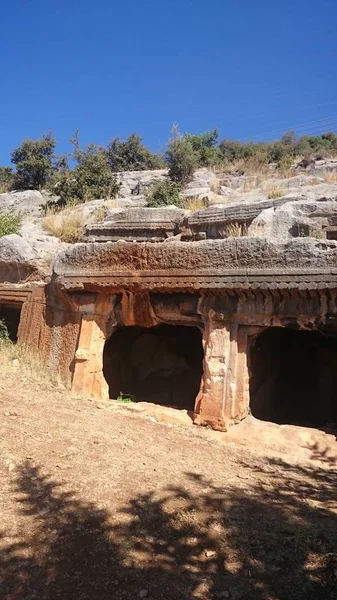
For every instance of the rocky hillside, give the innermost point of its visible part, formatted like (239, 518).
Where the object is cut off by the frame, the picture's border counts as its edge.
(215, 205)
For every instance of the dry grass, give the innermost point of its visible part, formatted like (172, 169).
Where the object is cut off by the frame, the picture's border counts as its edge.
(67, 225)
(16, 357)
(250, 184)
(330, 177)
(195, 203)
(99, 213)
(215, 185)
(234, 230)
(273, 191)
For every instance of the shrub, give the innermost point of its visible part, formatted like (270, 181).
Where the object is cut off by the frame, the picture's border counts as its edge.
(234, 229)
(34, 163)
(273, 191)
(164, 193)
(4, 335)
(194, 203)
(6, 179)
(281, 151)
(91, 178)
(66, 225)
(132, 155)
(181, 159)
(9, 223)
(205, 147)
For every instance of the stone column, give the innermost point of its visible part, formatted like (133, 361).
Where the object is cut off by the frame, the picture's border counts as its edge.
(224, 398)
(88, 376)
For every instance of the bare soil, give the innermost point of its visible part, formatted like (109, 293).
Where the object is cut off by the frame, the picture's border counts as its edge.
(101, 501)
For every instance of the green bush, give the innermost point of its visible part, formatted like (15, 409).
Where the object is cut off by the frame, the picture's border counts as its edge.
(164, 193)
(34, 163)
(132, 155)
(181, 159)
(281, 151)
(4, 335)
(90, 179)
(6, 179)
(205, 147)
(9, 223)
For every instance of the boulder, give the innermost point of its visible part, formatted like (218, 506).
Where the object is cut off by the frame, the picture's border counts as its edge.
(17, 259)
(295, 219)
(27, 203)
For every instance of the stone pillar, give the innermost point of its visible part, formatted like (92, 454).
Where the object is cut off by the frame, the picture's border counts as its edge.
(224, 398)
(88, 376)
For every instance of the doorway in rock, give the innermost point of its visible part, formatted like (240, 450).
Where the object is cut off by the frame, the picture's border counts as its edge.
(161, 364)
(10, 316)
(293, 377)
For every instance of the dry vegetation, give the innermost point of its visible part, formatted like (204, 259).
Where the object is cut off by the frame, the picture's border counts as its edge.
(20, 358)
(273, 190)
(195, 203)
(330, 177)
(67, 225)
(234, 230)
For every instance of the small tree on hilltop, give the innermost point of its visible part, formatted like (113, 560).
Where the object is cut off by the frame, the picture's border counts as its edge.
(205, 147)
(181, 158)
(131, 155)
(34, 163)
(90, 179)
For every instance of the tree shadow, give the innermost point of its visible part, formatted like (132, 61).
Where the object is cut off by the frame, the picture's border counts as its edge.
(272, 535)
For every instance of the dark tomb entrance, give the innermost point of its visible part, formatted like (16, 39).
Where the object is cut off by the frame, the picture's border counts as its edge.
(162, 364)
(293, 377)
(10, 316)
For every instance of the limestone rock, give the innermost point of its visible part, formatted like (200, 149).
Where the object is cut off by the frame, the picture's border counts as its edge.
(17, 259)
(295, 219)
(27, 203)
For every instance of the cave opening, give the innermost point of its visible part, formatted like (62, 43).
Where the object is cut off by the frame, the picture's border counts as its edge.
(293, 377)
(10, 316)
(161, 364)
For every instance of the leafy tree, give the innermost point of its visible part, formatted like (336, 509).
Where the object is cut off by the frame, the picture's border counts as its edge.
(232, 150)
(164, 193)
(34, 163)
(181, 158)
(6, 179)
(91, 177)
(131, 155)
(205, 147)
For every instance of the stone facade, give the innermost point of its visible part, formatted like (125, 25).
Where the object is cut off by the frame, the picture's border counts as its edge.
(229, 290)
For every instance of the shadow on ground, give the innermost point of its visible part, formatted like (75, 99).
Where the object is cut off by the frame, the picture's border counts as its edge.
(271, 536)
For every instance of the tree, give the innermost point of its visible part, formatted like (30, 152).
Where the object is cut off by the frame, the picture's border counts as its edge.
(6, 179)
(181, 158)
(205, 147)
(34, 162)
(131, 155)
(91, 177)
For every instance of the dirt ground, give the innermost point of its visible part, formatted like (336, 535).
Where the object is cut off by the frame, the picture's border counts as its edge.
(104, 501)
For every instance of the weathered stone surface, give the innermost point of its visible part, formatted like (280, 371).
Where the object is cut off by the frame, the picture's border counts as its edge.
(140, 224)
(219, 264)
(17, 259)
(26, 203)
(135, 183)
(295, 219)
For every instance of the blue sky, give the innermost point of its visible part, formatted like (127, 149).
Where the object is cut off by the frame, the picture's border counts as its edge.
(252, 68)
